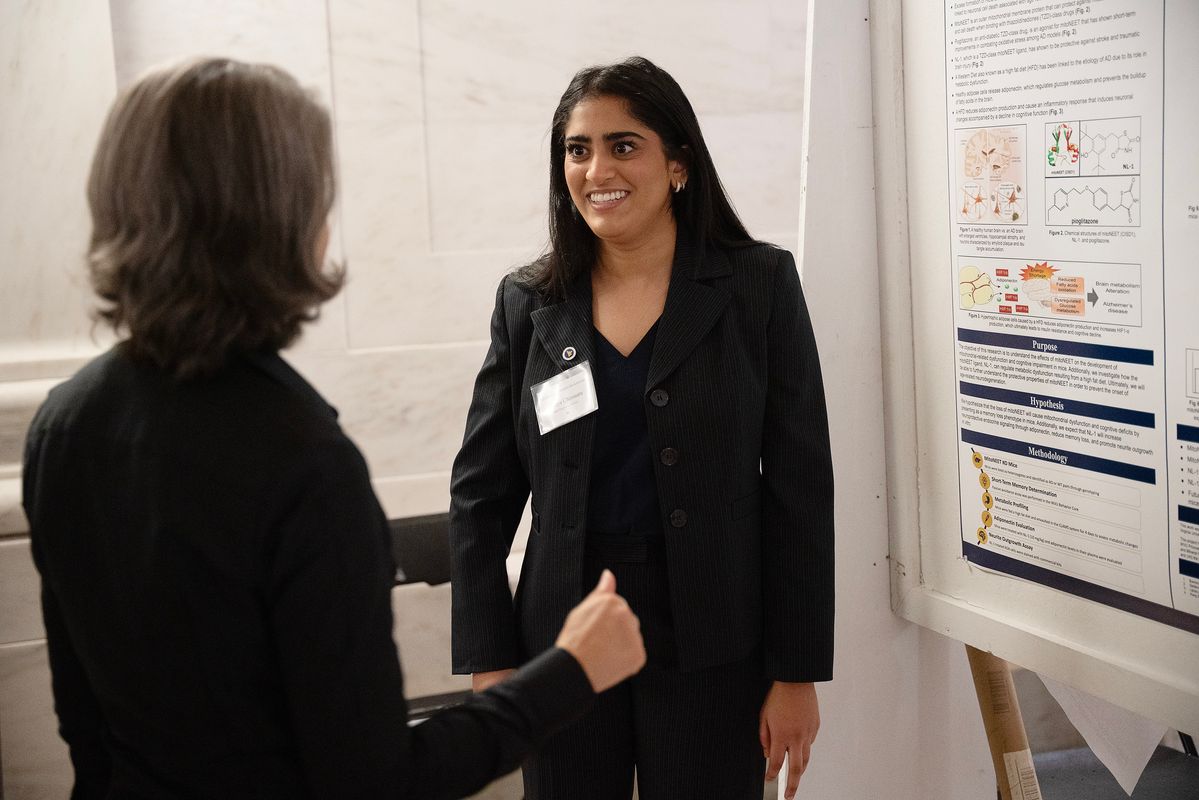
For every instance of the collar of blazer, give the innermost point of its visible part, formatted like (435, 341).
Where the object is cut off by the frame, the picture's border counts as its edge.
(692, 308)
(278, 370)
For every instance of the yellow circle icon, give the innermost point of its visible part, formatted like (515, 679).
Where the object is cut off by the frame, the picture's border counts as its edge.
(984, 480)
(988, 500)
(977, 460)
(982, 535)
(986, 517)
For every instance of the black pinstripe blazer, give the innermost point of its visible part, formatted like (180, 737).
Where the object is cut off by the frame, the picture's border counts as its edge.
(734, 387)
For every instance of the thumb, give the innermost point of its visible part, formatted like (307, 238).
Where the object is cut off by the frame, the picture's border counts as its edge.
(607, 583)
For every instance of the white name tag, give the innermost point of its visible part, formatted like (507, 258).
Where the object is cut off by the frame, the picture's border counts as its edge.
(564, 398)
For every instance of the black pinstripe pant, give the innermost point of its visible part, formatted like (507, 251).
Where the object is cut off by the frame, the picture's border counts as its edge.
(688, 735)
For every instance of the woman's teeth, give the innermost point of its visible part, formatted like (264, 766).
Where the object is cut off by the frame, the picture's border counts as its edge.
(607, 197)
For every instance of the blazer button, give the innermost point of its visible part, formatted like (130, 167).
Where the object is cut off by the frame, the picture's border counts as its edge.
(659, 398)
(669, 456)
(678, 518)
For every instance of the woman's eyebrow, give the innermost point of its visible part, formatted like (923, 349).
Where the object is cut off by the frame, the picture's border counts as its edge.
(608, 137)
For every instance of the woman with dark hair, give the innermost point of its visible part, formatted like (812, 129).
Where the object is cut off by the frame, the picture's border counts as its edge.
(216, 570)
(653, 381)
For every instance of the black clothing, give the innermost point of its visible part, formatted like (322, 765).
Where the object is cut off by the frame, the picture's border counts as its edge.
(622, 497)
(642, 559)
(689, 735)
(738, 438)
(216, 585)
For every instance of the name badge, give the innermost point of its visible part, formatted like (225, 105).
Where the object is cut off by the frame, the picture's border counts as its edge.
(564, 398)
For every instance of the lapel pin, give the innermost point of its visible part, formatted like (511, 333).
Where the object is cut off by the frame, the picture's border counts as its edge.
(569, 354)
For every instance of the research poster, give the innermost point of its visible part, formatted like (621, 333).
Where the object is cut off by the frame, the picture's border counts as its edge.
(1074, 247)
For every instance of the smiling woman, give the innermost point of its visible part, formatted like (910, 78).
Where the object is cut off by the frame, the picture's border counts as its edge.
(618, 173)
(700, 475)
(620, 179)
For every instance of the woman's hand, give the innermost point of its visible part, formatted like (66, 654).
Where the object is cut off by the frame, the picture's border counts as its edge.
(482, 681)
(789, 721)
(604, 636)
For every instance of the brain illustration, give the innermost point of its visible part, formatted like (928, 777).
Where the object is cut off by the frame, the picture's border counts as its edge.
(1039, 289)
(987, 155)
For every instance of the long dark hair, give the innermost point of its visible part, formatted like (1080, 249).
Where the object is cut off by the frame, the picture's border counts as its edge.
(655, 99)
(209, 190)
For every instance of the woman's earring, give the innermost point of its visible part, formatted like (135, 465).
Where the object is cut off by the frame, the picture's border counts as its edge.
(678, 187)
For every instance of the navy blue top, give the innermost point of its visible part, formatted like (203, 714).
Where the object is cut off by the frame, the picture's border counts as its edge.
(623, 496)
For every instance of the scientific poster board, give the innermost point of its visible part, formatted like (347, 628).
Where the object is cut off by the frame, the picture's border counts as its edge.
(1067, 344)
(1053, 306)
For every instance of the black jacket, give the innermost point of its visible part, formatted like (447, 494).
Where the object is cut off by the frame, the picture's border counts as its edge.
(216, 584)
(734, 389)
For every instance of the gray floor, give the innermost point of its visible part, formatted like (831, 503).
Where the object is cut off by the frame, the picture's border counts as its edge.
(1044, 721)
(1068, 770)
(1078, 775)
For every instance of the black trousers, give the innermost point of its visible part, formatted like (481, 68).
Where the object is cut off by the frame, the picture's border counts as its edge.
(687, 735)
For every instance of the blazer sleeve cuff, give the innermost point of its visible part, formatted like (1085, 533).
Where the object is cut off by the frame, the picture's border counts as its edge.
(553, 688)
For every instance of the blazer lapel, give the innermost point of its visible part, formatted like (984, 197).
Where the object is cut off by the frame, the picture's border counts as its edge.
(692, 307)
(567, 325)
(558, 327)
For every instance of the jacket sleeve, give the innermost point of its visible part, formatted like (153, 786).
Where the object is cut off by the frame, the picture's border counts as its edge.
(488, 491)
(797, 508)
(328, 594)
(80, 720)
(81, 723)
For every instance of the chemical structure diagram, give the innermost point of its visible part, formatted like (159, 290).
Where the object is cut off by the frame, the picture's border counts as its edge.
(1110, 146)
(1092, 172)
(1096, 202)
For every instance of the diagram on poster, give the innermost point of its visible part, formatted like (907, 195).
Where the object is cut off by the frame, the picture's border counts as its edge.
(1093, 147)
(1092, 172)
(1076, 333)
(1107, 294)
(990, 175)
(1106, 202)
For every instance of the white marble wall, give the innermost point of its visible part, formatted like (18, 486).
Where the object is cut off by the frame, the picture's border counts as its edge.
(56, 63)
(441, 111)
(444, 179)
(57, 83)
(442, 114)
